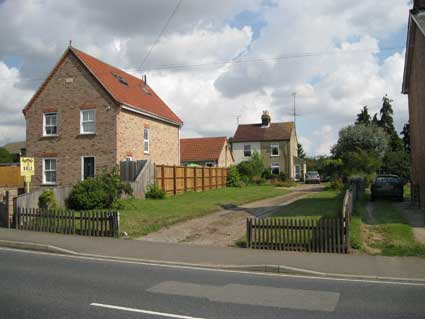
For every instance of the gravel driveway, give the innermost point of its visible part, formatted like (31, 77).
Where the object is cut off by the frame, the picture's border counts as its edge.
(224, 227)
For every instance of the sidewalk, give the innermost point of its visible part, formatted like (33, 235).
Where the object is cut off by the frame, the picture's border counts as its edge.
(223, 257)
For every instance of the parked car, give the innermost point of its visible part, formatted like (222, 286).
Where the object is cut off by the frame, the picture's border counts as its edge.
(388, 186)
(312, 177)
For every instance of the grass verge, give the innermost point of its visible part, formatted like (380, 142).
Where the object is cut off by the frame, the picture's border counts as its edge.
(379, 228)
(140, 217)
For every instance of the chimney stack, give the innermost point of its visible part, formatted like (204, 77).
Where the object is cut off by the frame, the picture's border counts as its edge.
(265, 119)
(418, 5)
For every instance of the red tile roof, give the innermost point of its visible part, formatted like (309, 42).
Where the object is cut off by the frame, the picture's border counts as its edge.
(135, 94)
(255, 132)
(201, 149)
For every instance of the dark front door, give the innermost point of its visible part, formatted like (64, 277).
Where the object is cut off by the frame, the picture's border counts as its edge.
(88, 167)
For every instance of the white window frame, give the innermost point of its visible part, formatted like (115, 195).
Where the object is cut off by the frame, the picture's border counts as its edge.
(45, 124)
(129, 158)
(82, 165)
(146, 141)
(275, 165)
(82, 122)
(272, 146)
(250, 150)
(44, 170)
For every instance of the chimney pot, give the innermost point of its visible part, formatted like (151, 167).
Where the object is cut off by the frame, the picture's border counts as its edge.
(265, 119)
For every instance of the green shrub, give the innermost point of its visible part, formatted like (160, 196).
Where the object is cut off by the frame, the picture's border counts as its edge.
(47, 200)
(283, 177)
(336, 184)
(233, 179)
(258, 180)
(287, 183)
(155, 192)
(99, 192)
(267, 174)
(253, 167)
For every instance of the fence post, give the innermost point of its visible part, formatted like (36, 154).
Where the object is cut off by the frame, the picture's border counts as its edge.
(203, 178)
(248, 232)
(185, 178)
(162, 178)
(174, 180)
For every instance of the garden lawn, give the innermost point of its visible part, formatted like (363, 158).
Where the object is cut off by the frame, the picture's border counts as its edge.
(322, 204)
(140, 217)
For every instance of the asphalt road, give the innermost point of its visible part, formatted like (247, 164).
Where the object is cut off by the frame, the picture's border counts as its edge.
(36, 285)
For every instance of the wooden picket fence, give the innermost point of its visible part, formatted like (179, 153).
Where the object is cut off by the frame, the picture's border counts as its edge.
(85, 223)
(324, 235)
(181, 179)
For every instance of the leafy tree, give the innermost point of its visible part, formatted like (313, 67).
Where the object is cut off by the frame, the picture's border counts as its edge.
(352, 138)
(363, 117)
(398, 163)
(5, 156)
(375, 120)
(386, 121)
(406, 137)
(301, 153)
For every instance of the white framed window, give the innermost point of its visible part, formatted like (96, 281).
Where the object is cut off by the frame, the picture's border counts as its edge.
(49, 170)
(146, 136)
(88, 167)
(274, 149)
(88, 121)
(129, 158)
(247, 152)
(275, 169)
(50, 124)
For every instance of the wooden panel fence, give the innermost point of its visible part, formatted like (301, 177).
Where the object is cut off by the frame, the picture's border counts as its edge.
(181, 179)
(86, 223)
(325, 235)
(10, 176)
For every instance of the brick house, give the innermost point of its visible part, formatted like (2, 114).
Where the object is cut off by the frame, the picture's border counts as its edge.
(208, 151)
(414, 86)
(88, 116)
(276, 142)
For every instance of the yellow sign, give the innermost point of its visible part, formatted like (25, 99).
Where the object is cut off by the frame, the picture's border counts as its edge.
(27, 167)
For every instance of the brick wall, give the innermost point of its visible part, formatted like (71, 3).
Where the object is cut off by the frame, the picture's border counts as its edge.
(69, 145)
(417, 113)
(164, 139)
(283, 159)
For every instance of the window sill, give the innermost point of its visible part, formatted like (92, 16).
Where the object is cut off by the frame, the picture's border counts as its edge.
(49, 136)
(87, 134)
(146, 153)
(275, 155)
(49, 184)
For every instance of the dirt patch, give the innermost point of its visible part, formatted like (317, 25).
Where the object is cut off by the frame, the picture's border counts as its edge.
(224, 227)
(368, 238)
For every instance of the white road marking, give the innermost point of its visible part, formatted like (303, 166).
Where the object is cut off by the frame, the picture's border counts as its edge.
(384, 282)
(147, 312)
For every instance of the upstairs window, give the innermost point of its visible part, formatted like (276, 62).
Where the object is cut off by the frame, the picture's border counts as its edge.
(88, 122)
(49, 171)
(247, 151)
(50, 124)
(146, 140)
(274, 149)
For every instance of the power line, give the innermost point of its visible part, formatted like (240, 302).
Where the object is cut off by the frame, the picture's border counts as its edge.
(239, 61)
(160, 34)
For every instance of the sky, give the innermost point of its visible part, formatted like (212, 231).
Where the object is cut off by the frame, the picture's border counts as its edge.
(336, 55)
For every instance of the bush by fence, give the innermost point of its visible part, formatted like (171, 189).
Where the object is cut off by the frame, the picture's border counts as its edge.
(180, 179)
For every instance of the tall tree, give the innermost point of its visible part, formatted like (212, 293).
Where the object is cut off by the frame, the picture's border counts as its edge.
(5, 156)
(375, 120)
(363, 117)
(386, 121)
(301, 153)
(406, 137)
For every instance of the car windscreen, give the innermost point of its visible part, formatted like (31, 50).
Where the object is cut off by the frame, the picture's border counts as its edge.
(387, 180)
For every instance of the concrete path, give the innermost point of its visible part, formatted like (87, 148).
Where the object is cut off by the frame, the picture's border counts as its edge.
(219, 257)
(224, 227)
